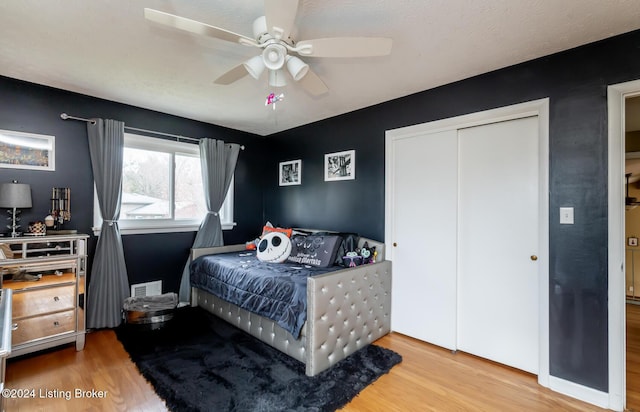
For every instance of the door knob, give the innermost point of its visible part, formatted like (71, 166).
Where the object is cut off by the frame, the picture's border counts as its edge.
(534, 257)
(395, 244)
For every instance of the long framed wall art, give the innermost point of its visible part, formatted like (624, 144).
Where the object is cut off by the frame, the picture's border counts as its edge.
(20, 150)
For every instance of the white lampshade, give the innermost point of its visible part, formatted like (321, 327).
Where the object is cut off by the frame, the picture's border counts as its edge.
(277, 78)
(297, 67)
(15, 194)
(254, 66)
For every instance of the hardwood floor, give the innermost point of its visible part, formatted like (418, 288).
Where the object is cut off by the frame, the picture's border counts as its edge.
(102, 366)
(633, 357)
(429, 379)
(434, 379)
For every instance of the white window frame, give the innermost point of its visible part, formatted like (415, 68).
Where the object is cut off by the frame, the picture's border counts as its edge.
(131, 227)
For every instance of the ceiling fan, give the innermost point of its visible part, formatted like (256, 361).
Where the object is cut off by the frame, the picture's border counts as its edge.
(630, 202)
(272, 34)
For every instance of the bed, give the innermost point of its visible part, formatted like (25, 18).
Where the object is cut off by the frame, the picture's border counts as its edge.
(346, 309)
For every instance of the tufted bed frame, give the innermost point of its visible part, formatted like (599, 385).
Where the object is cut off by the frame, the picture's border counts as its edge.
(346, 310)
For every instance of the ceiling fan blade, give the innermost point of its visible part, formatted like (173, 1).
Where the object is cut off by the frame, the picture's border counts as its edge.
(280, 16)
(313, 84)
(345, 47)
(232, 75)
(196, 27)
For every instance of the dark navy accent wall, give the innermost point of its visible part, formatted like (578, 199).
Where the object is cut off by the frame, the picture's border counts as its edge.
(27, 107)
(575, 82)
(345, 205)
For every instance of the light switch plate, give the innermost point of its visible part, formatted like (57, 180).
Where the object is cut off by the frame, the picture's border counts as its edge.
(566, 215)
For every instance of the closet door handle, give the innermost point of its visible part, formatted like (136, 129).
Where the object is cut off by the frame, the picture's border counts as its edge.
(534, 257)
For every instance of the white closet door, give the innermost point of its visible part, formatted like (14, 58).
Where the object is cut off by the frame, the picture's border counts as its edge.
(498, 235)
(424, 193)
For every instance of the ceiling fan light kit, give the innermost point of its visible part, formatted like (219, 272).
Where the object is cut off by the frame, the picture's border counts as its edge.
(297, 68)
(274, 56)
(271, 33)
(254, 66)
(277, 78)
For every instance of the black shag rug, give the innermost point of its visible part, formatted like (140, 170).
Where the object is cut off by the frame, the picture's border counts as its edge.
(198, 362)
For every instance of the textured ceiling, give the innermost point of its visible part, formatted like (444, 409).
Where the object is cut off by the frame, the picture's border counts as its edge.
(106, 49)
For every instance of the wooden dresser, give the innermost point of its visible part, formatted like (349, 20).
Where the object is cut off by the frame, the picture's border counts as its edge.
(47, 276)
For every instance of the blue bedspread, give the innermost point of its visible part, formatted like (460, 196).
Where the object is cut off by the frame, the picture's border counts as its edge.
(277, 291)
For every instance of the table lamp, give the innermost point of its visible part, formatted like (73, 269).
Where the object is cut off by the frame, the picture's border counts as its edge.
(13, 196)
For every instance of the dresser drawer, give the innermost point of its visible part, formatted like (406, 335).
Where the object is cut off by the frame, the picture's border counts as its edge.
(25, 330)
(41, 301)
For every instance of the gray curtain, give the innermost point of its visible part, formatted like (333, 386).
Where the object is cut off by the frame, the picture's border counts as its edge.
(109, 285)
(218, 162)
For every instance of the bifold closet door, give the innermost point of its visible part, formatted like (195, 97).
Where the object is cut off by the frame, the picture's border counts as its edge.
(424, 193)
(498, 242)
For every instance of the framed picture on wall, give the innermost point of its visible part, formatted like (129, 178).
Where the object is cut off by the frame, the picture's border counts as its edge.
(19, 150)
(340, 166)
(290, 173)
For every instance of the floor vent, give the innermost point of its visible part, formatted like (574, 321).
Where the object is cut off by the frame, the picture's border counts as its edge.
(147, 289)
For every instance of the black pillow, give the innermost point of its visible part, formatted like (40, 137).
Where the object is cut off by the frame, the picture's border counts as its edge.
(314, 250)
(349, 244)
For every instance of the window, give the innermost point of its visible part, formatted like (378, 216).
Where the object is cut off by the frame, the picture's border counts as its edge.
(162, 188)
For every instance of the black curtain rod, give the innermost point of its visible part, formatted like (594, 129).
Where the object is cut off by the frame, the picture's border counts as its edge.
(65, 116)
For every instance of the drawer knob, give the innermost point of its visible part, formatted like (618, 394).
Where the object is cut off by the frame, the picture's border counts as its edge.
(14, 326)
(55, 298)
(56, 323)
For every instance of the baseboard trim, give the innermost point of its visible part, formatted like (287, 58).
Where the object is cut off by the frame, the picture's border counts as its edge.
(581, 392)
